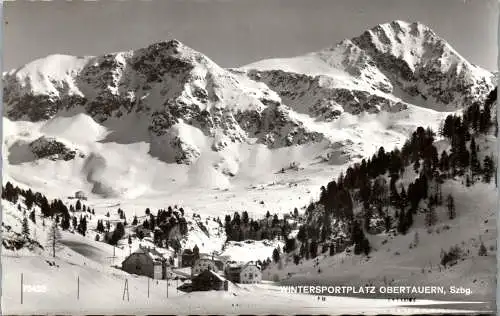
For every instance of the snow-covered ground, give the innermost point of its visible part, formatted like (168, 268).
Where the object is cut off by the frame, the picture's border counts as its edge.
(115, 173)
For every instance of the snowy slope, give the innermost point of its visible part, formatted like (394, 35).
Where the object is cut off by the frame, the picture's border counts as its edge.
(408, 259)
(79, 280)
(177, 99)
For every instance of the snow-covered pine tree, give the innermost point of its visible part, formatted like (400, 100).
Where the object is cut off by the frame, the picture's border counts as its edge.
(54, 238)
(431, 216)
(450, 203)
(25, 228)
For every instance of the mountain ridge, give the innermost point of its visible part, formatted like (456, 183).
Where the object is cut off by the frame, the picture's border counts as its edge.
(396, 60)
(182, 102)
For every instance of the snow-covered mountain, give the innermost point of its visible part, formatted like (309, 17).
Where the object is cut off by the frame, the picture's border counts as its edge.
(180, 101)
(177, 97)
(382, 69)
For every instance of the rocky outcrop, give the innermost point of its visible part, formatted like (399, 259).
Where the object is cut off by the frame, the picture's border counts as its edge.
(319, 97)
(52, 149)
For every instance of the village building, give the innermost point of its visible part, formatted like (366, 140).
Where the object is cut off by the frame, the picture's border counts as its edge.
(246, 273)
(80, 195)
(186, 258)
(232, 272)
(208, 262)
(208, 280)
(339, 244)
(275, 233)
(250, 273)
(147, 262)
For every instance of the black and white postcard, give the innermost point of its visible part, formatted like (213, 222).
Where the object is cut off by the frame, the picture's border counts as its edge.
(257, 157)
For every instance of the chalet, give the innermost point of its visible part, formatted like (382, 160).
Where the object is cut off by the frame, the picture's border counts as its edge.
(147, 262)
(339, 243)
(208, 280)
(146, 232)
(275, 232)
(208, 262)
(80, 195)
(187, 258)
(249, 272)
(233, 271)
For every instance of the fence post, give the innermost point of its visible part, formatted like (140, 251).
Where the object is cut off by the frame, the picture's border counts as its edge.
(148, 287)
(78, 288)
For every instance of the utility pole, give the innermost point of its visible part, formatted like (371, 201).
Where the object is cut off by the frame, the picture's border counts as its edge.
(167, 282)
(22, 290)
(125, 289)
(112, 258)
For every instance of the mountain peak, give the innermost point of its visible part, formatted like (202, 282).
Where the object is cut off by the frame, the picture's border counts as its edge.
(414, 28)
(168, 45)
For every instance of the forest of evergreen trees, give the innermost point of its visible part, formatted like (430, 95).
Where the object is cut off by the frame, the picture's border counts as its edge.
(162, 225)
(242, 227)
(365, 183)
(168, 226)
(64, 217)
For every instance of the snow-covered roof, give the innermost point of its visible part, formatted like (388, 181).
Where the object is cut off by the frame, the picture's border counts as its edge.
(150, 252)
(221, 278)
(242, 265)
(250, 263)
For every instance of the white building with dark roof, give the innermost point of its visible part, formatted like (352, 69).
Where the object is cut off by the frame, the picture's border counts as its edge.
(147, 262)
(244, 273)
(208, 262)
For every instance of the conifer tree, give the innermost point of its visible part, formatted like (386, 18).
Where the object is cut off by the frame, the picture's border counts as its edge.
(276, 255)
(488, 169)
(482, 250)
(474, 161)
(33, 217)
(65, 222)
(75, 222)
(54, 238)
(26, 228)
(450, 203)
(313, 249)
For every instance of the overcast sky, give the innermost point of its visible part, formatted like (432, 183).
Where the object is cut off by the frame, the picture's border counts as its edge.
(235, 32)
